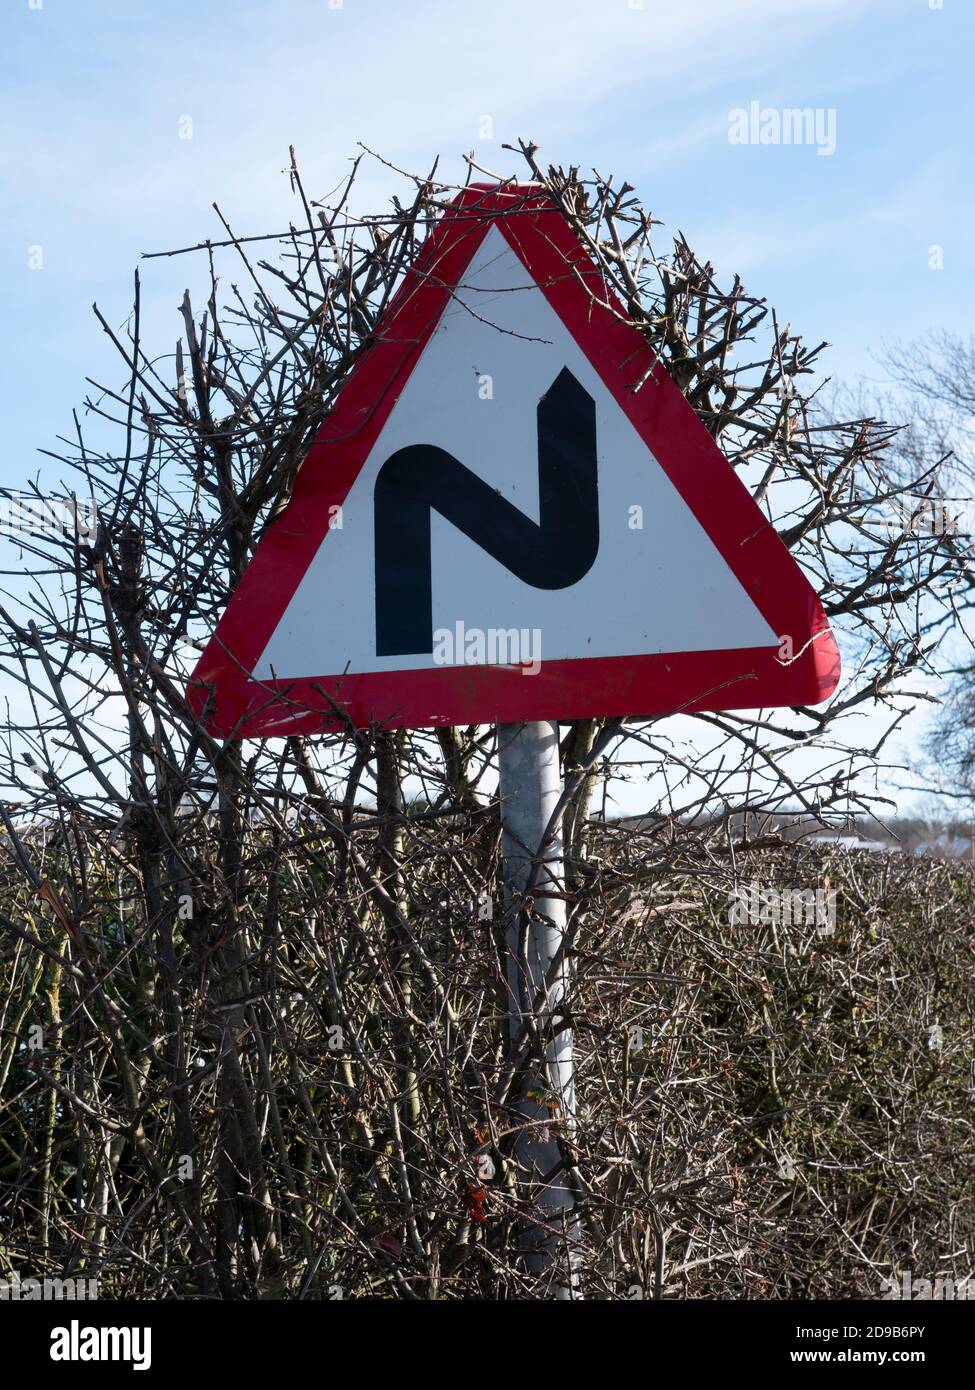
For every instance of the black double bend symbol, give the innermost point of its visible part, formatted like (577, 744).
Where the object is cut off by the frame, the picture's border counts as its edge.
(422, 478)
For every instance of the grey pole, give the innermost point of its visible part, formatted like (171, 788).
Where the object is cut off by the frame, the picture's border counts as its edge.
(530, 786)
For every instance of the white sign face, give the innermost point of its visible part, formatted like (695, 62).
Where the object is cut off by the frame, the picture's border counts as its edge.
(657, 583)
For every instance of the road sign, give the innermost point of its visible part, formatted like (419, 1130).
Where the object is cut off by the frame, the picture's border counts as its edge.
(511, 514)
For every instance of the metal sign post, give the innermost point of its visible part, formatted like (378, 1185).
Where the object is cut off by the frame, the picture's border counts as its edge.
(530, 786)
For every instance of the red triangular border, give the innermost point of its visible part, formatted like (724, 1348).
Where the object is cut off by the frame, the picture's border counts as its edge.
(237, 706)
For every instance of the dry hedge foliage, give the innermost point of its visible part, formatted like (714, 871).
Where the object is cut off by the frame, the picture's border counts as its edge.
(252, 1034)
(777, 1111)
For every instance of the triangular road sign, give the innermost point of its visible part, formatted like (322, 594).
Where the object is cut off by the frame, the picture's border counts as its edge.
(511, 513)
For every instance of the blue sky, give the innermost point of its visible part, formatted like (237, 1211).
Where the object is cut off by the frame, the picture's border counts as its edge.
(94, 172)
